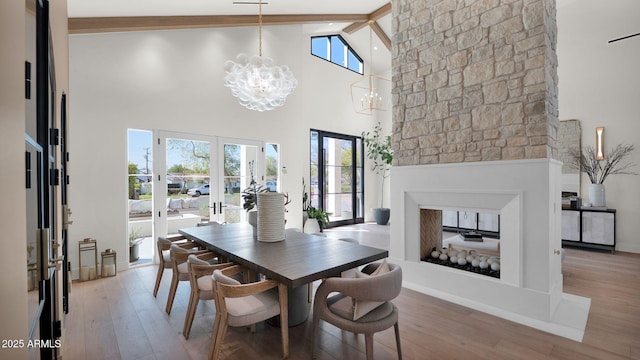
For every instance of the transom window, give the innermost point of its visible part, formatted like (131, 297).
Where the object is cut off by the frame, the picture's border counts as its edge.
(335, 49)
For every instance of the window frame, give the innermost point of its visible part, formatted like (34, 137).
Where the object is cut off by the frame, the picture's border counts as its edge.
(347, 47)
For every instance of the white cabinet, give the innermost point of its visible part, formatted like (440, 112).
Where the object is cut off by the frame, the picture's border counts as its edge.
(571, 225)
(587, 228)
(598, 228)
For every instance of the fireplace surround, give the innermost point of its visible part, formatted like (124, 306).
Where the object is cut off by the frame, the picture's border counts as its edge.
(527, 196)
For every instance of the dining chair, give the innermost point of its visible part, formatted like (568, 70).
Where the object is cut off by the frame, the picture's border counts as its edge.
(180, 269)
(363, 304)
(347, 273)
(163, 245)
(200, 271)
(239, 305)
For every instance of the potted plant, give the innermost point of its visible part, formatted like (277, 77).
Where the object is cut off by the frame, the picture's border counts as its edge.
(380, 152)
(598, 170)
(250, 198)
(317, 221)
(134, 244)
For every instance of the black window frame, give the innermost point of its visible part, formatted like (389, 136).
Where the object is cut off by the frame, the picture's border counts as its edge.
(347, 46)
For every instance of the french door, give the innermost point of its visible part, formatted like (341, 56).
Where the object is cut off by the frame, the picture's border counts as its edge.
(45, 247)
(200, 178)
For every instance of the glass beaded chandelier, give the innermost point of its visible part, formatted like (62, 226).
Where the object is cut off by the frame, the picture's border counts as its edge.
(256, 81)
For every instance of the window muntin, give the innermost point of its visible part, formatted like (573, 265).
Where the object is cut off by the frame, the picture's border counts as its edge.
(335, 49)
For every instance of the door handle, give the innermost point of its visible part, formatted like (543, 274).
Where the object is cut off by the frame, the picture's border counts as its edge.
(56, 262)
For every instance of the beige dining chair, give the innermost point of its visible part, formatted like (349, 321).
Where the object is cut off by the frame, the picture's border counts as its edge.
(200, 271)
(239, 305)
(363, 304)
(180, 269)
(163, 244)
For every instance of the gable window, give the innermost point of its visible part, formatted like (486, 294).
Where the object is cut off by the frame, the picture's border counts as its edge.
(335, 49)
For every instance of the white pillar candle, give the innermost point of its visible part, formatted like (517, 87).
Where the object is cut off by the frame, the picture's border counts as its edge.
(111, 269)
(92, 273)
(84, 273)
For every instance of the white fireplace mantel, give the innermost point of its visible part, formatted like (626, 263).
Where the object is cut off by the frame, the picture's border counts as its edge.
(526, 194)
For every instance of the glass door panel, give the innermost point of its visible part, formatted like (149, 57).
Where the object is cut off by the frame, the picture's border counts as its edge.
(242, 160)
(338, 168)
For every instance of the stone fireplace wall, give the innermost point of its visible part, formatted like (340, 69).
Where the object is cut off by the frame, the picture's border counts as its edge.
(474, 80)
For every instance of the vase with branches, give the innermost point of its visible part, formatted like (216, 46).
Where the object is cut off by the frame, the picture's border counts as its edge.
(599, 170)
(380, 152)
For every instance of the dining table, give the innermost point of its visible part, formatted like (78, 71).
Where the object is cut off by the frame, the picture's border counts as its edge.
(294, 262)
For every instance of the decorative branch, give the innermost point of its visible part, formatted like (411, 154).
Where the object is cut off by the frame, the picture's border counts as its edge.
(599, 170)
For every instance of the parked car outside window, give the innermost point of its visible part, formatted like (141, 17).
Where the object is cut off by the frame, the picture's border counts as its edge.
(200, 190)
(272, 185)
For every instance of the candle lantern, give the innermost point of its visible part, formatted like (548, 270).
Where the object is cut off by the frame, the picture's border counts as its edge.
(108, 263)
(88, 258)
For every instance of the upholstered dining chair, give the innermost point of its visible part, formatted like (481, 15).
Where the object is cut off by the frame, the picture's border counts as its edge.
(163, 244)
(363, 304)
(345, 274)
(180, 269)
(239, 305)
(200, 271)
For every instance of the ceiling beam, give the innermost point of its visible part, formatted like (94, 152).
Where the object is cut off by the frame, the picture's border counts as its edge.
(376, 15)
(87, 25)
(381, 34)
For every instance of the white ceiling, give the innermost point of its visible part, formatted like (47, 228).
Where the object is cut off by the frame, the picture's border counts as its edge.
(358, 40)
(98, 8)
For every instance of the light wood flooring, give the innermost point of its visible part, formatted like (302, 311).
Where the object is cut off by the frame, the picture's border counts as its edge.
(118, 318)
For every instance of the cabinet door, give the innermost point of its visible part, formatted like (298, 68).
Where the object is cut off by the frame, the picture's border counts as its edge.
(571, 225)
(598, 228)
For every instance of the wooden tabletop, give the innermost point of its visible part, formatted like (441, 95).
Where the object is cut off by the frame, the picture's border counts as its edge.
(299, 259)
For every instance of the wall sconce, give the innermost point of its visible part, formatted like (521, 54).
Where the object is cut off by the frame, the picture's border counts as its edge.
(599, 143)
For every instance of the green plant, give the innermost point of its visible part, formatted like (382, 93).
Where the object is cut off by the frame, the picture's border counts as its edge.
(134, 236)
(380, 152)
(250, 194)
(599, 170)
(306, 200)
(320, 215)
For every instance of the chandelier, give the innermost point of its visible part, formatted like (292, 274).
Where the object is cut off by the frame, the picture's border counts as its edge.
(365, 93)
(256, 81)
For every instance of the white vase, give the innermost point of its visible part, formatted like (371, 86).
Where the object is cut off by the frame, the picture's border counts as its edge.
(596, 195)
(271, 217)
(311, 226)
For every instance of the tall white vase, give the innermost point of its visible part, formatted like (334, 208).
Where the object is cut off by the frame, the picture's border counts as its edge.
(271, 217)
(596, 195)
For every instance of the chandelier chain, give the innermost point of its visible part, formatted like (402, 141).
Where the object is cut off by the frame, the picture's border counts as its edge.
(260, 28)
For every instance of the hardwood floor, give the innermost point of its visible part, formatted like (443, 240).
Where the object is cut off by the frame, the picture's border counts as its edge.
(118, 318)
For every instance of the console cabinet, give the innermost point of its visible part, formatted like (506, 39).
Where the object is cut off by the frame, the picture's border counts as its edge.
(589, 228)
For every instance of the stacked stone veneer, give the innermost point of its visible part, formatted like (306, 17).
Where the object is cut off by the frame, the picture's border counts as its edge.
(474, 80)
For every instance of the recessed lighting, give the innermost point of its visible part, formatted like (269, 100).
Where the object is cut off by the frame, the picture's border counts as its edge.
(330, 24)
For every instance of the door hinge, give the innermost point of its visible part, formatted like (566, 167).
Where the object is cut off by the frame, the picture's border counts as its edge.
(57, 329)
(55, 177)
(54, 135)
(27, 158)
(27, 80)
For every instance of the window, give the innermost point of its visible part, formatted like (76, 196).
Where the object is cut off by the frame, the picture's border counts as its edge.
(335, 49)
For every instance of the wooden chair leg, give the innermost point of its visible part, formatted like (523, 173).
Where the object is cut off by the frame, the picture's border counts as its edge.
(368, 340)
(222, 331)
(214, 336)
(158, 279)
(395, 327)
(191, 313)
(172, 293)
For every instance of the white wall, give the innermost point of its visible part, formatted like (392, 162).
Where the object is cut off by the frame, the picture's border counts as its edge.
(13, 311)
(173, 80)
(599, 85)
